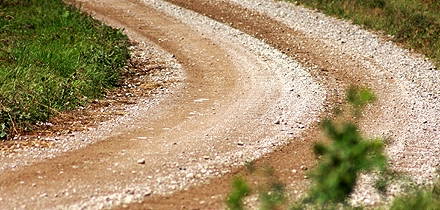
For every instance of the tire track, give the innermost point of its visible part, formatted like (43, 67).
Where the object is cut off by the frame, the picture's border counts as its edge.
(222, 116)
(339, 54)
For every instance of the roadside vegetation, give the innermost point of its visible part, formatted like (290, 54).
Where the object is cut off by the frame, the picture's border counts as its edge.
(341, 160)
(415, 23)
(52, 58)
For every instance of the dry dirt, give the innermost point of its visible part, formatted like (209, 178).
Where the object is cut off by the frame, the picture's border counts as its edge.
(250, 87)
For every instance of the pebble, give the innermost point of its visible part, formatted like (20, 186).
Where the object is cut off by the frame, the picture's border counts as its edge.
(141, 161)
(128, 199)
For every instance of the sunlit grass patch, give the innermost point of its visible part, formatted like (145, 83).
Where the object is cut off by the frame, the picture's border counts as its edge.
(52, 57)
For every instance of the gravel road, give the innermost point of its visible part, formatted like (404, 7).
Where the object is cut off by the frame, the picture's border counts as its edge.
(248, 77)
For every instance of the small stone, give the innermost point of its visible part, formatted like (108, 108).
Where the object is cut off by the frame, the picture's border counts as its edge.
(141, 161)
(240, 143)
(306, 177)
(206, 157)
(44, 195)
(294, 171)
(303, 168)
(190, 175)
(128, 199)
(75, 167)
(277, 122)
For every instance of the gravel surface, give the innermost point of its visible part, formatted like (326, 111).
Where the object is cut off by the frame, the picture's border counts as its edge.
(143, 52)
(408, 89)
(274, 99)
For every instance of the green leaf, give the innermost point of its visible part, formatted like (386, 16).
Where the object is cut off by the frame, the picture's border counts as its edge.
(66, 14)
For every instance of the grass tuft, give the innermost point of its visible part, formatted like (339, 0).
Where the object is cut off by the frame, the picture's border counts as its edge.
(52, 58)
(416, 23)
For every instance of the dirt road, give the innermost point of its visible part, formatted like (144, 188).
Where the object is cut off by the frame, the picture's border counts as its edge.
(257, 78)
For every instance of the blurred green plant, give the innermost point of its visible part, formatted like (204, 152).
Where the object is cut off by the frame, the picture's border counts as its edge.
(345, 157)
(240, 190)
(424, 198)
(272, 197)
(359, 98)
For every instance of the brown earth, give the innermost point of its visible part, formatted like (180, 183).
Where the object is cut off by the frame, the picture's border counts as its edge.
(145, 23)
(294, 155)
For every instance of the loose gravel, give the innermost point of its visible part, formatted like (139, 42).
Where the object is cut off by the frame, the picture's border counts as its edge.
(408, 87)
(143, 52)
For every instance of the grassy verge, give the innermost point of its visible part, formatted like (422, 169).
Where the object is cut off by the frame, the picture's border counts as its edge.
(415, 23)
(52, 58)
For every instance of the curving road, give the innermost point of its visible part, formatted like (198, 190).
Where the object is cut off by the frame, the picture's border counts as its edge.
(258, 75)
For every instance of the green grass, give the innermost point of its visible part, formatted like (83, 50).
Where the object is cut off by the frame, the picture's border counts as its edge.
(52, 58)
(240, 190)
(425, 198)
(414, 23)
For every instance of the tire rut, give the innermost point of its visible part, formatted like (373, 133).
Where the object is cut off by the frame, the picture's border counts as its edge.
(224, 112)
(221, 117)
(335, 68)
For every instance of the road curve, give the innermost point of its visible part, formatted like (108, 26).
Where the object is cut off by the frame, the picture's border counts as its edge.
(222, 116)
(258, 74)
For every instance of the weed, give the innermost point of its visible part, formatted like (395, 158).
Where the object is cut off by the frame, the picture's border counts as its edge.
(240, 189)
(425, 198)
(359, 97)
(272, 197)
(347, 155)
(342, 161)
